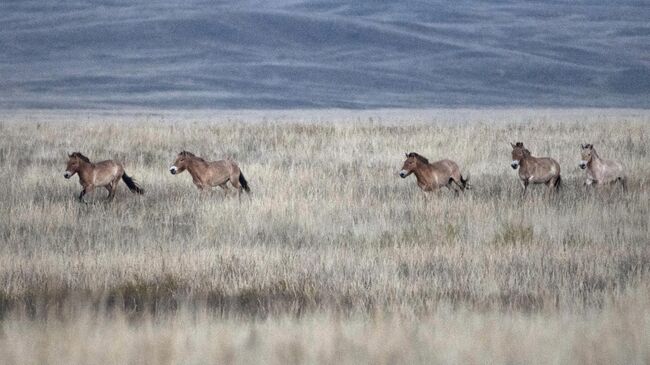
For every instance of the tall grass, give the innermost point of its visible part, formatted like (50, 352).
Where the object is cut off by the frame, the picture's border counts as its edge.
(333, 258)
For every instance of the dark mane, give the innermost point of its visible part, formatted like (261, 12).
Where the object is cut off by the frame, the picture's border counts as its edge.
(191, 155)
(419, 157)
(80, 156)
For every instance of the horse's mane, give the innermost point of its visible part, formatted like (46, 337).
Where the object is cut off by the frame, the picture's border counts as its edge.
(190, 155)
(80, 156)
(419, 157)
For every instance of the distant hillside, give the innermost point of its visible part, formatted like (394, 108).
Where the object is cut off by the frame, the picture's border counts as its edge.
(323, 54)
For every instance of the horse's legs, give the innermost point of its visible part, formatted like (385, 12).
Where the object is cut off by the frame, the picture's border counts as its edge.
(591, 185)
(109, 187)
(451, 187)
(204, 191)
(199, 185)
(224, 186)
(86, 190)
(234, 180)
(426, 196)
(525, 185)
(457, 180)
(552, 185)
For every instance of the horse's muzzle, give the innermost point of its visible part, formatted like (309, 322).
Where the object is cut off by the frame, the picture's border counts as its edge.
(582, 165)
(67, 175)
(403, 174)
(514, 164)
(173, 170)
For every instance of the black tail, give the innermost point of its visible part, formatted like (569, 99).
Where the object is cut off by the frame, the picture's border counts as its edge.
(464, 181)
(463, 184)
(243, 182)
(133, 186)
(558, 182)
(623, 181)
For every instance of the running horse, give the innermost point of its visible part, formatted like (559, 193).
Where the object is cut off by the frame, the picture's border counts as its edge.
(104, 173)
(433, 176)
(601, 171)
(536, 170)
(206, 174)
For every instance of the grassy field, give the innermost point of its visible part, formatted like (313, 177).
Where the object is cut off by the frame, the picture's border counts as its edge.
(333, 258)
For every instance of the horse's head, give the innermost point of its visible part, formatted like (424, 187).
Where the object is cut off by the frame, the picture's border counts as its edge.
(518, 154)
(411, 163)
(182, 160)
(74, 162)
(586, 153)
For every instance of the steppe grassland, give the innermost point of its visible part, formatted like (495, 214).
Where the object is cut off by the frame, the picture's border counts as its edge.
(333, 258)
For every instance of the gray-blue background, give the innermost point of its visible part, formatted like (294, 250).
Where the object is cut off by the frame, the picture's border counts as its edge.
(322, 54)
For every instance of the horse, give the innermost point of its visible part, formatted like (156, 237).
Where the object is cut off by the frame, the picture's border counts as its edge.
(433, 176)
(601, 171)
(536, 170)
(206, 174)
(104, 173)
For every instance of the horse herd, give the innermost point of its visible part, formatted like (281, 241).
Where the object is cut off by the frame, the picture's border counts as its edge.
(429, 176)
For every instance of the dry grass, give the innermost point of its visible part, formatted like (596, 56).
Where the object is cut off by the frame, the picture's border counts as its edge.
(333, 258)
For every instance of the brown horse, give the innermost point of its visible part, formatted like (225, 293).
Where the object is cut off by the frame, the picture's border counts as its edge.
(433, 176)
(103, 173)
(210, 173)
(600, 171)
(536, 170)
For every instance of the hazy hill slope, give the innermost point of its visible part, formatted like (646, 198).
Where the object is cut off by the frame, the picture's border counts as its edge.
(288, 54)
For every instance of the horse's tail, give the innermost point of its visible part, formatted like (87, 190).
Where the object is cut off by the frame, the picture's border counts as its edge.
(243, 182)
(133, 186)
(623, 181)
(558, 183)
(464, 181)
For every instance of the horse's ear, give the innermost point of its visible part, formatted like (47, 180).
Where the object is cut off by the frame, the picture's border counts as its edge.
(512, 144)
(406, 154)
(582, 146)
(590, 146)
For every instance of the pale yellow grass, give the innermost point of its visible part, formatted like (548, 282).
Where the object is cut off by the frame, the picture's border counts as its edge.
(333, 258)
